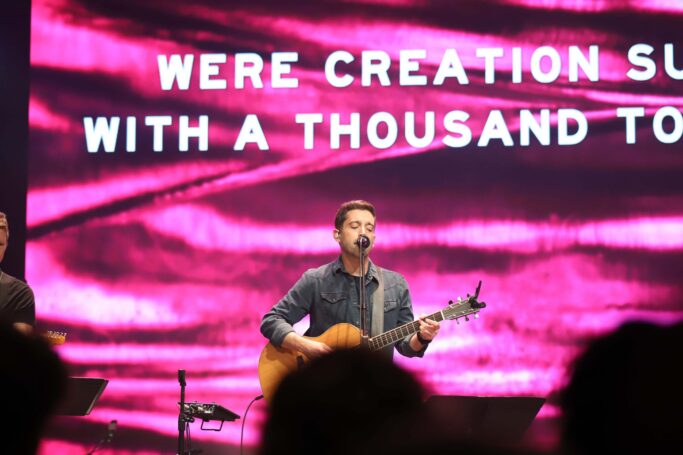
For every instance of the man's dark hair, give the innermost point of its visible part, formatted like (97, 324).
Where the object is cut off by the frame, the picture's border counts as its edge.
(346, 207)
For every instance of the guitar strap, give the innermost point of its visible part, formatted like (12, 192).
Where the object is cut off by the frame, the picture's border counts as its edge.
(378, 306)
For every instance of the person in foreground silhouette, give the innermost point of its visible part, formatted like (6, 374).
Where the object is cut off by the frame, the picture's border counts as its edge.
(32, 382)
(358, 402)
(626, 393)
(339, 403)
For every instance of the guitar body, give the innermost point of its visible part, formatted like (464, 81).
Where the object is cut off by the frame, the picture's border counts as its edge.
(275, 363)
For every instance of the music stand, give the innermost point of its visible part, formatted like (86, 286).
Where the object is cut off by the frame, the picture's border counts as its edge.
(490, 419)
(81, 396)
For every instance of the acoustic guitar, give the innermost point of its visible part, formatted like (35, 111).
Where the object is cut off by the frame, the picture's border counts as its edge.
(276, 362)
(54, 338)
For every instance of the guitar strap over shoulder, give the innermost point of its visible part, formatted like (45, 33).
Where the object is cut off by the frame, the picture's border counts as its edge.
(378, 306)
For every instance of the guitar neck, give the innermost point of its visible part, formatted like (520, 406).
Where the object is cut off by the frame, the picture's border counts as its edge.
(392, 336)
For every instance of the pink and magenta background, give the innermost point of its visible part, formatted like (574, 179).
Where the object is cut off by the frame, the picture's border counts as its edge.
(158, 261)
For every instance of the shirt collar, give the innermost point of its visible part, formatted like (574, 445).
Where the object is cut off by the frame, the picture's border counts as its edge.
(338, 266)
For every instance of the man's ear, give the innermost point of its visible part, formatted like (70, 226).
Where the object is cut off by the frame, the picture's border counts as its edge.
(335, 233)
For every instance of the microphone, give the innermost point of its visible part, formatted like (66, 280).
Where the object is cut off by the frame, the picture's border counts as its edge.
(111, 429)
(363, 241)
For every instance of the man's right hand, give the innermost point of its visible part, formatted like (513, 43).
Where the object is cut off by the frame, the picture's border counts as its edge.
(315, 349)
(310, 348)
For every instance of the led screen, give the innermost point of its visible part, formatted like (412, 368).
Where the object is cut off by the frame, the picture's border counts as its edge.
(187, 159)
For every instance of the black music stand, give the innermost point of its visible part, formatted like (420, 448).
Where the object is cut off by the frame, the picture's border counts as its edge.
(492, 419)
(81, 396)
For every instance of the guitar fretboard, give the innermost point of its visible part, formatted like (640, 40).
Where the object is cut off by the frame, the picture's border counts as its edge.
(392, 336)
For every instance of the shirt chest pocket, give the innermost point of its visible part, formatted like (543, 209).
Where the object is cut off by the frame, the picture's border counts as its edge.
(391, 298)
(334, 308)
(390, 305)
(333, 297)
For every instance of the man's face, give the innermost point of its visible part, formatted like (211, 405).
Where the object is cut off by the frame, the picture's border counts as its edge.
(3, 243)
(357, 222)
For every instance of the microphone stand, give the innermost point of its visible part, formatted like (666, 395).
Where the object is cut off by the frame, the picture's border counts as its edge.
(183, 419)
(362, 296)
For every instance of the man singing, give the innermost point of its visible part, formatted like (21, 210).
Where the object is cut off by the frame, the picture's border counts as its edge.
(17, 304)
(330, 293)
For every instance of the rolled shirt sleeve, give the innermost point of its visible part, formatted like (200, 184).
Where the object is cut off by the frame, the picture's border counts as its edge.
(406, 315)
(296, 304)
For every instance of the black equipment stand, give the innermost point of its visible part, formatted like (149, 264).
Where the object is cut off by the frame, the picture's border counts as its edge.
(206, 412)
(183, 419)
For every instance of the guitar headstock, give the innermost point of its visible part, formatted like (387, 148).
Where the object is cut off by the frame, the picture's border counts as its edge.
(464, 308)
(55, 338)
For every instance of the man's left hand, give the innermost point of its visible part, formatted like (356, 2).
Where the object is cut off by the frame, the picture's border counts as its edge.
(428, 329)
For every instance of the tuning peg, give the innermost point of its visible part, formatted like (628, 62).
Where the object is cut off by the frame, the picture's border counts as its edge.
(467, 319)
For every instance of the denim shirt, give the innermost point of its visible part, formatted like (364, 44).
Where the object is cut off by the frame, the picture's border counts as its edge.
(330, 295)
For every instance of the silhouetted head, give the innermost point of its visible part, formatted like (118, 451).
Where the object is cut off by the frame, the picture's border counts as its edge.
(340, 402)
(32, 382)
(625, 394)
